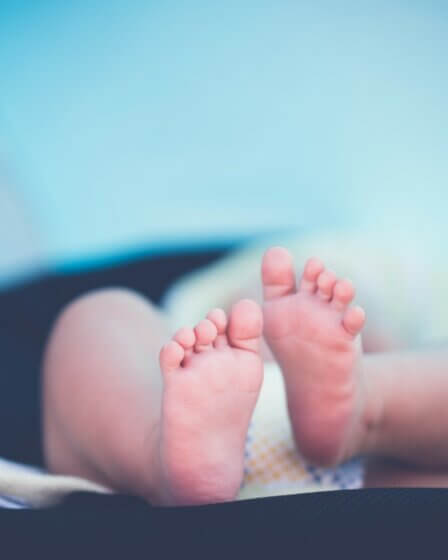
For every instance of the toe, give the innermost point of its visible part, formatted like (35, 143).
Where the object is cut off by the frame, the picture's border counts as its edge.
(354, 320)
(185, 337)
(171, 356)
(219, 318)
(245, 325)
(277, 272)
(325, 284)
(313, 268)
(343, 294)
(206, 333)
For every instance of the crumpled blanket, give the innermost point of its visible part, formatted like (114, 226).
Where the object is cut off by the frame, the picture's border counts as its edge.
(24, 486)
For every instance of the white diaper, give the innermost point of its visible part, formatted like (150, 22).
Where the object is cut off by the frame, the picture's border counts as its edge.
(273, 466)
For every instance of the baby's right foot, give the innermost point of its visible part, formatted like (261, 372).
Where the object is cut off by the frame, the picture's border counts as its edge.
(212, 378)
(314, 336)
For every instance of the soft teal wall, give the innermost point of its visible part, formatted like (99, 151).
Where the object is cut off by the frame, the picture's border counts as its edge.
(140, 122)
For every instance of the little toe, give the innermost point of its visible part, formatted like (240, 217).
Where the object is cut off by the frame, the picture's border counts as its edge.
(277, 272)
(245, 325)
(206, 333)
(313, 268)
(343, 294)
(354, 320)
(325, 284)
(219, 318)
(171, 356)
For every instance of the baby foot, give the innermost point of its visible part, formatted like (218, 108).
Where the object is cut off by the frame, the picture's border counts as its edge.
(212, 378)
(314, 336)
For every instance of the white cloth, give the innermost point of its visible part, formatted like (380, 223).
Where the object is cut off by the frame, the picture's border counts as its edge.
(24, 486)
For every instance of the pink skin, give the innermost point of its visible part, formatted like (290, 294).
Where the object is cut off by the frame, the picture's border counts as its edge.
(212, 378)
(314, 335)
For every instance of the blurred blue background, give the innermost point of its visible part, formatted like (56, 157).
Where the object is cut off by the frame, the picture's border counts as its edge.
(144, 124)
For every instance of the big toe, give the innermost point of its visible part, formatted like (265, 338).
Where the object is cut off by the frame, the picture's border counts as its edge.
(245, 325)
(277, 272)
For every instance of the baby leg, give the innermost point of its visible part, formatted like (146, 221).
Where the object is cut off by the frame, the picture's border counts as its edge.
(112, 416)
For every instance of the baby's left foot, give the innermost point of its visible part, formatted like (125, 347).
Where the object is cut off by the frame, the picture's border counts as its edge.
(315, 336)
